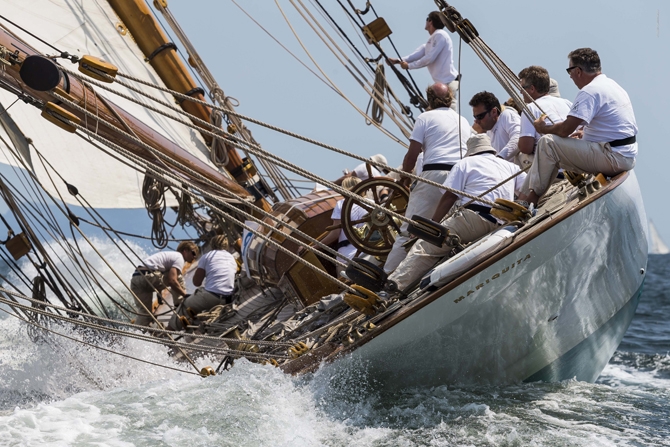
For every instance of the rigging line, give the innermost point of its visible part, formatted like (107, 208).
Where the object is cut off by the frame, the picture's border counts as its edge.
(364, 60)
(383, 130)
(285, 48)
(195, 74)
(409, 74)
(100, 319)
(72, 257)
(287, 165)
(177, 184)
(123, 233)
(38, 247)
(413, 91)
(147, 338)
(347, 63)
(96, 346)
(32, 35)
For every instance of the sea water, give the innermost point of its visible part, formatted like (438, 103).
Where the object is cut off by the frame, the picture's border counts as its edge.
(57, 392)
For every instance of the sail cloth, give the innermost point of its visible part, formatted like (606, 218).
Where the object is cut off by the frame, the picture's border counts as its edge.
(92, 27)
(656, 244)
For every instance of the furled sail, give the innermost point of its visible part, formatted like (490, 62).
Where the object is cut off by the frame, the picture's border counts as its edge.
(83, 27)
(656, 244)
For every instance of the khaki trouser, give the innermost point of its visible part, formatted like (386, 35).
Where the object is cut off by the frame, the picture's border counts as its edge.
(200, 301)
(423, 201)
(467, 224)
(572, 154)
(143, 287)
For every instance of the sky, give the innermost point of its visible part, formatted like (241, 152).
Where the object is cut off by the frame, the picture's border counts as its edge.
(632, 38)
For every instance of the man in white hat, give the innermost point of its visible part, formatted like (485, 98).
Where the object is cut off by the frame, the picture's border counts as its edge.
(475, 174)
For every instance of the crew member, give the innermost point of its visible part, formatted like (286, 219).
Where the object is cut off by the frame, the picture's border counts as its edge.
(441, 134)
(361, 171)
(475, 174)
(217, 268)
(608, 142)
(501, 125)
(536, 86)
(344, 247)
(158, 272)
(437, 54)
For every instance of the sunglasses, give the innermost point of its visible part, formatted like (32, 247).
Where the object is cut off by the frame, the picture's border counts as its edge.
(479, 116)
(195, 255)
(569, 69)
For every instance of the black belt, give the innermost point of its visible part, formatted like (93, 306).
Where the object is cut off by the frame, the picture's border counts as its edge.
(344, 243)
(483, 211)
(139, 272)
(228, 298)
(623, 141)
(437, 167)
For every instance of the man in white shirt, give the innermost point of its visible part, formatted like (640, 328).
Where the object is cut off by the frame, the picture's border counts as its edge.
(158, 272)
(217, 268)
(536, 86)
(475, 174)
(437, 54)
(608, 143)
(501, 125)
(441, 134)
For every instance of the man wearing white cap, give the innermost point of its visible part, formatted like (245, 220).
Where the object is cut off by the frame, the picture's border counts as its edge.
(441, 134)
(361, 171)
(475, 174)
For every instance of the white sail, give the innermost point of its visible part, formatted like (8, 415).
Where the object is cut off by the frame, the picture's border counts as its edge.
(92, 27)
(656, 244)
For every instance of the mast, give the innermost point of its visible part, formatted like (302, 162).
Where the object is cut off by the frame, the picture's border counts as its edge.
(162, 55)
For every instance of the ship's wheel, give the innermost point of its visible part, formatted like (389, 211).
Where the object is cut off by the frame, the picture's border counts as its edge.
(376, 231)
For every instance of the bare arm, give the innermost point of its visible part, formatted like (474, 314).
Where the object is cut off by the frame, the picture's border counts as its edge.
(527, 145)
(198, 277)
(409, 162)
(333, 235)
(446, 202)
(173, 281)
(563, 129)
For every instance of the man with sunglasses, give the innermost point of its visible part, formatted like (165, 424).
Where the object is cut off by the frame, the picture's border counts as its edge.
(157, 273)
(440, 133)
(437, 54)
(608, 142)
(501, 125)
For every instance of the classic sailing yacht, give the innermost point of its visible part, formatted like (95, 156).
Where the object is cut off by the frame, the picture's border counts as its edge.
(545, 298)
(656, 244)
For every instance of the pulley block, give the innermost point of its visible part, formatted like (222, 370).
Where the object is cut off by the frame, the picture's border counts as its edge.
(428, 230)
(207, 371)
(366, 274)
(514, 212)
(18, 246)
(376, 31)
(58, 115)
(97, 68)
(365, 301)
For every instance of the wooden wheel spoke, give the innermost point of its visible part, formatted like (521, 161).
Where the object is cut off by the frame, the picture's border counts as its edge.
(395, 225)
(375, 195)
(387, 236)
(389, 200)
(367, 237)
(367, 218)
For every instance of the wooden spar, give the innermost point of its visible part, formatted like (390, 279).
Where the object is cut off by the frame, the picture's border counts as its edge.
(150, 38)
(112, 119)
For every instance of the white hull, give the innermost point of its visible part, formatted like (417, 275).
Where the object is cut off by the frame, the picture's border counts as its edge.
(554, 308)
